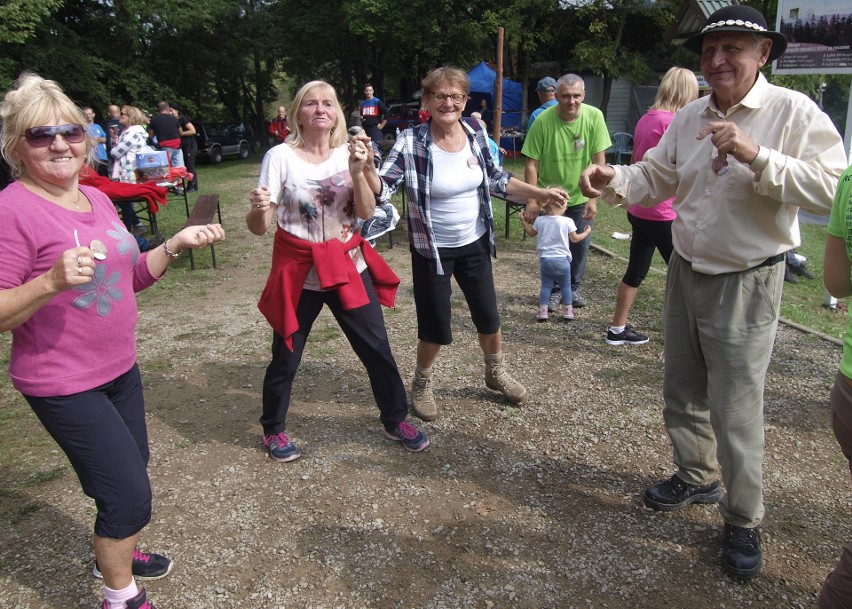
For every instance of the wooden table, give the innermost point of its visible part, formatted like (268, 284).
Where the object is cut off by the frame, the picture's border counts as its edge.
(514, 205)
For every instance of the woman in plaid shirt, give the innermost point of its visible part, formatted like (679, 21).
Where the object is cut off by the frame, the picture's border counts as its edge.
(448, 172)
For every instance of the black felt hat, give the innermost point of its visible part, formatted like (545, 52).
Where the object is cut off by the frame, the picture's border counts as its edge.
(738, 18)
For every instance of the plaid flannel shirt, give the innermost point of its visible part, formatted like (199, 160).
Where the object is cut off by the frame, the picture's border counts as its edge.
(411, 160)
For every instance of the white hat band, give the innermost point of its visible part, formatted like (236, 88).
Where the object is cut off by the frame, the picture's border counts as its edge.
(739, 22)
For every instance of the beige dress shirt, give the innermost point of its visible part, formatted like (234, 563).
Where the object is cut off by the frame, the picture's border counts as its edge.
(732, 222)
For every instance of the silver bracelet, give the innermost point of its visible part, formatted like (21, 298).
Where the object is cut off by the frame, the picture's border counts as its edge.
(170, 254)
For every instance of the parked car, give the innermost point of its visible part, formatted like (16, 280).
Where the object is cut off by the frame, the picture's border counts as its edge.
(218, 140)
(400, 115)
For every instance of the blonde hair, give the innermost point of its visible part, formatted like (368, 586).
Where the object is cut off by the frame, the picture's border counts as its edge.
(437, 77)
(553, 208)
(677, 88)
(31, 103)
(338, 135)
(134, 115)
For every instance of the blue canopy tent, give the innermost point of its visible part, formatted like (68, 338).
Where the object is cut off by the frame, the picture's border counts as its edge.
(482, 79)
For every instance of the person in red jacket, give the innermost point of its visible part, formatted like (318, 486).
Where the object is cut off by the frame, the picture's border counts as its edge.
(279, 128)
(307, 193)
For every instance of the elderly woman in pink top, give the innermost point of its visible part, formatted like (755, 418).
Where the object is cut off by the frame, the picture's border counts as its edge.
(652, 226)
(67, 293)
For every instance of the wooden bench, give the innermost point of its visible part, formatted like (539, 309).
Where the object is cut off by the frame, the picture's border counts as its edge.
(205, 211)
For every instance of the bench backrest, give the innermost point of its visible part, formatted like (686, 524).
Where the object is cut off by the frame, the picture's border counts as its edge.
(204, 210)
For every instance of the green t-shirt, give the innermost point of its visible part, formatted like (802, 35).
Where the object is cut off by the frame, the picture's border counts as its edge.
(563, 150)
(840, 225)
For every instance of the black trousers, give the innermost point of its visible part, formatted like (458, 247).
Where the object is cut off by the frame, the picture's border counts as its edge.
(364, 327)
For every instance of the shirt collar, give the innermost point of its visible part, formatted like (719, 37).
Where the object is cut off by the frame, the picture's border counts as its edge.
(753, 100)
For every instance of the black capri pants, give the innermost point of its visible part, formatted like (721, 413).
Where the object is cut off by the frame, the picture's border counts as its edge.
(471, 266)
(647, 235)
(104, 435)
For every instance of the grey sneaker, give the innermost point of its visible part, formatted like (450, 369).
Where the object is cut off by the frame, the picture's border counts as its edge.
(499, 379)
(423, 403)
(554, 302)
(578, 301)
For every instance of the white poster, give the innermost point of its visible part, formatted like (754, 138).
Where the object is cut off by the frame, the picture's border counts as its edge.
(819, 37)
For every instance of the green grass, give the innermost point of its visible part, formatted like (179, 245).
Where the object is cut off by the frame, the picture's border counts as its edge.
(801, 302)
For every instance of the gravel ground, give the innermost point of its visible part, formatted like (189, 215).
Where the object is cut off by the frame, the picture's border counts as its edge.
(524, 507)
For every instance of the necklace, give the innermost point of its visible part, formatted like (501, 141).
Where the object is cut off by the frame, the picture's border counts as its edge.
(75, 202)
(323, 157)
(451, 144)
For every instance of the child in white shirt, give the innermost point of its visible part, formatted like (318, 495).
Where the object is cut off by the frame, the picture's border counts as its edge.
(555, 233)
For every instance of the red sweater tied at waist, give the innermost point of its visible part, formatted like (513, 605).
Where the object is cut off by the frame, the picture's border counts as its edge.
(292, 260)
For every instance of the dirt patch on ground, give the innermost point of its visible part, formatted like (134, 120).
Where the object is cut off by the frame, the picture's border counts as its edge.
(528, 507)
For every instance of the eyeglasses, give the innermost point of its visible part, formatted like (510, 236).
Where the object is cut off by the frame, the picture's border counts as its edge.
(456, 98)
(41, 137)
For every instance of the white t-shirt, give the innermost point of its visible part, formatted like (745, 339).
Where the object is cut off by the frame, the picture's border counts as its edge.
(553, 239)
(454, 202)
(313, 202)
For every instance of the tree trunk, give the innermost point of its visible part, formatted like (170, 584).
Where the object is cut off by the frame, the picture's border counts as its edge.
(607, 89)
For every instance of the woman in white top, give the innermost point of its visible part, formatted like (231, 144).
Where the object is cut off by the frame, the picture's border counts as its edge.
(448, 172)
(319, 258)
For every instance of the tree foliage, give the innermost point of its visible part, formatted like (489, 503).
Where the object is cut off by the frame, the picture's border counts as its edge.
(226, 59)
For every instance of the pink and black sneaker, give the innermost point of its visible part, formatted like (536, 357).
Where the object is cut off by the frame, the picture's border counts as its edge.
(412, 438)
(145, 566)
(140, 601)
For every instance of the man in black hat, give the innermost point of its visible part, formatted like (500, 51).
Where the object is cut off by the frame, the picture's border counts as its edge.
(740, 162)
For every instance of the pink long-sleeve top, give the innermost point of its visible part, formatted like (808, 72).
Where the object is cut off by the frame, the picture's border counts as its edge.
(85, 336)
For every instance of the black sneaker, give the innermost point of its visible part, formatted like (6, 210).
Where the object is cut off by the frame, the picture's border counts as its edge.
(628, 336)
(145, 566)
(578, 302)
(741, 555)
(674, 494)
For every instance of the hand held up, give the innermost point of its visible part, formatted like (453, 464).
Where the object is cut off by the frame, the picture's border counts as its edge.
(594, 178)
(259, 199)
(196, 237)
(74, 267)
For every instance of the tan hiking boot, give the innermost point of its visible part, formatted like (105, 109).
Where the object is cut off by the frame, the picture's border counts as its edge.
(499, 379)
(423, 403)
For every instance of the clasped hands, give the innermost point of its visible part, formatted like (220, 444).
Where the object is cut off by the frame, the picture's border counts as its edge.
(361, 153)
(726, 136)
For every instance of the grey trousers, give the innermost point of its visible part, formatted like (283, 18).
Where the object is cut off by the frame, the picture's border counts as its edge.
(719, 331)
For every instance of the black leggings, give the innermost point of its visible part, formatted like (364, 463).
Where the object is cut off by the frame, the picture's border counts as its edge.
(647, 235)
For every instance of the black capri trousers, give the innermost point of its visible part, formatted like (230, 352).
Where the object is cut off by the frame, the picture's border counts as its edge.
(471, 266)
(104, 435)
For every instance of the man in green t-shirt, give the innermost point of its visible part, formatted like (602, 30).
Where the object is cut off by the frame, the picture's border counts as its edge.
(837, 589)
(563, 141)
